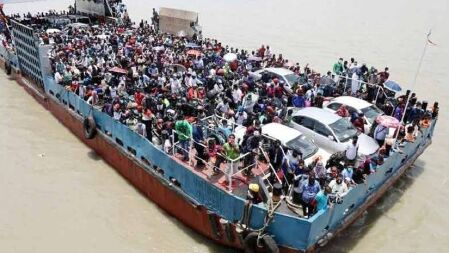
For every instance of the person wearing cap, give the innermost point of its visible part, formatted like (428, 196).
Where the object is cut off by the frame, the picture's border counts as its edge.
(253, 195)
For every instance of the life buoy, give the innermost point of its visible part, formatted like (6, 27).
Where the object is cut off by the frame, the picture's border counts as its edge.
(90, 128)
(267, 243)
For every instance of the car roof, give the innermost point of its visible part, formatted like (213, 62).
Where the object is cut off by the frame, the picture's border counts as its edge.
(356, 103)
(318, 114)
(279, 71)
(280, 132)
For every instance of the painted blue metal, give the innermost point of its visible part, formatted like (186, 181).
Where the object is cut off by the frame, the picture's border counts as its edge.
(289, 231)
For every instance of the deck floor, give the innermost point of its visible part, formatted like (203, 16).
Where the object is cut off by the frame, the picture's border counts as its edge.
(240, 181)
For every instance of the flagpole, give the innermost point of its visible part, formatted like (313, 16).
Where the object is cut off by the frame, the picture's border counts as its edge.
(413, 85)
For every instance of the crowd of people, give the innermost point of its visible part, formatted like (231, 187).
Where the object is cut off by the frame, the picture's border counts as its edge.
(163, 85)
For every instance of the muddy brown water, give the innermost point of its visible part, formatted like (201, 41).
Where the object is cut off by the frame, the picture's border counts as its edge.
(58, 196)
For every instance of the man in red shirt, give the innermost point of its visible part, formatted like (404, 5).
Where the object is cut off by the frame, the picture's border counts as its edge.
(261, 52)
(359, 123)
(138, 97)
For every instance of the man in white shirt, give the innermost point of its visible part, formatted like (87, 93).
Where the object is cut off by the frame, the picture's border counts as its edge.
(241, 116)
(338, 186)
(237, 94)
(58, 77)
(141, 129)
(351, 151)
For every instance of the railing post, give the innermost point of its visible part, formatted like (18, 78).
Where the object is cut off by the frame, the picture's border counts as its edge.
(173, 144)
(230, 172)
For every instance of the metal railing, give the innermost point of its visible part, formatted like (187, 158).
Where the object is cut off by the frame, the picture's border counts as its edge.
(231, 164)
(348, 81)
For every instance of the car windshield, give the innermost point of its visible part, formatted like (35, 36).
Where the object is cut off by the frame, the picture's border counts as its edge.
(304, 145)
(292, 78)
(371, 113)
(343, 130)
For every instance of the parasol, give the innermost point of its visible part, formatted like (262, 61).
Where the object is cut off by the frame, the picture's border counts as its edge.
(118, 70)
(52, 30)
(392, 85)
(192, 45)
(102, 36)
(158, 48)
(388, 121)
(193, 52)
(230, 57)
(254, 58)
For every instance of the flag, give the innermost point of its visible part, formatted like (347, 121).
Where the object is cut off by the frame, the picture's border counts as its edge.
(428, 38)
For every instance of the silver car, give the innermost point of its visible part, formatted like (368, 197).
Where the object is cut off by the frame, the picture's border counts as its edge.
(287, 76)
(330, 131)
(358, 106)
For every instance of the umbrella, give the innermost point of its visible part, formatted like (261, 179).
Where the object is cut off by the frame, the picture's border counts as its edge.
(52, 30)
(118, 70)
(193, 52)
(192, 45)
(158, 48)
(392, 85)
(388, 121)
(102, 36)
(254, 58)
(177, 68)
(181, 34)
(230, 57)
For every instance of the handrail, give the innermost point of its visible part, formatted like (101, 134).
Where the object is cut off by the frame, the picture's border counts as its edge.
(379, 87)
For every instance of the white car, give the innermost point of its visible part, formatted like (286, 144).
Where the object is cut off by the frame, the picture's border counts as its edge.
(330, 131)
(290, 138)
(287, 76)
(357, 105)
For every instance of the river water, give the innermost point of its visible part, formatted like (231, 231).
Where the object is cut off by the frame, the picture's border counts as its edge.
(58, 196)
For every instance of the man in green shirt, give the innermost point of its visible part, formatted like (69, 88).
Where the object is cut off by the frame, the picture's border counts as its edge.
(184, 132)
(231, 151)
(338, 67)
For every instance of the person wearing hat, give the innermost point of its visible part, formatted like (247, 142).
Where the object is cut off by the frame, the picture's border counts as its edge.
(253, 195)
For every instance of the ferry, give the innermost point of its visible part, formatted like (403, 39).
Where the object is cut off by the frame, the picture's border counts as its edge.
(215, 201)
